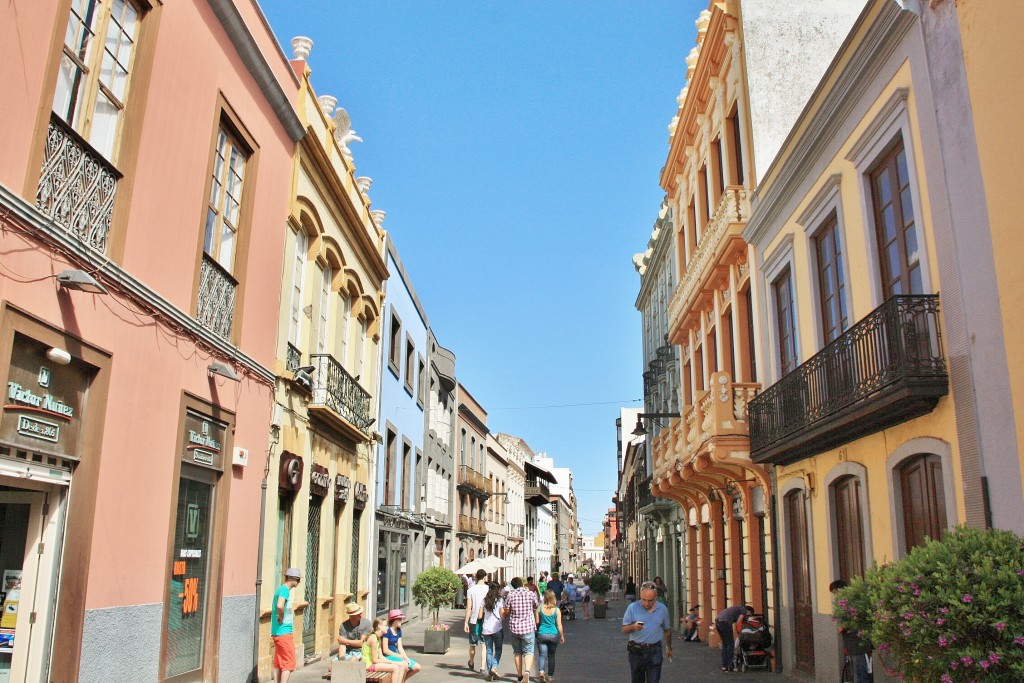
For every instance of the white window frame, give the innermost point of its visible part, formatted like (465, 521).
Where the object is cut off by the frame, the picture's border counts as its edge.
(301, 245)
(324, 312)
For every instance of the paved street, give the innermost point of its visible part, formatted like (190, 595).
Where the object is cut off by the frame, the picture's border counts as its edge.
(594, 651)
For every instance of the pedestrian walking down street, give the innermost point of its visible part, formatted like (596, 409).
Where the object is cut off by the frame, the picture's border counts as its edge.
(394, 651)
(533, 587)
(549, 636)
(725, 624)
(491, 614)
(647, 623)
(474, 601)
(630, 589)
(662, 589)
(557, 586)
(523, 611)
(282, 620)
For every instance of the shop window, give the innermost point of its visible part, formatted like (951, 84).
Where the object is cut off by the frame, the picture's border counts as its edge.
(95, 70)
(353, 587)
(186, 619)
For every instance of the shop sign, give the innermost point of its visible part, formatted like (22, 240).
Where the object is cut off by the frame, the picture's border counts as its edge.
(204, 440)
(342, 487)
(43, 401)
(290, 474)
(319, 480)
(362, 495)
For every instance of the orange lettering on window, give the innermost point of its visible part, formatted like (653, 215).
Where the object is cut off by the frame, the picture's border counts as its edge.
(179, 568)
(190, 598)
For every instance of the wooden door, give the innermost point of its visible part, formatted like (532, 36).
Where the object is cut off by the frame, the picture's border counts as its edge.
(800, 576)
(924, 503)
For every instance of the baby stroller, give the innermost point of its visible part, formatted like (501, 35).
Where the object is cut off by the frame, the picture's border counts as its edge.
(754, 641)
(568, 608)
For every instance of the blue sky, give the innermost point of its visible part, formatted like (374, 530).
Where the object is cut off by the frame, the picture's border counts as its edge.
(516, 148)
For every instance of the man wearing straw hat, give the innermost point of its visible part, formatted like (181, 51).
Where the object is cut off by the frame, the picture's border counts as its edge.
(353, 631)
(282, 618)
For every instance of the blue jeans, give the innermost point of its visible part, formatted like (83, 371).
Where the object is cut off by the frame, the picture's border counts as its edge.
(522, 644)
(494, 642)
(861, 671)
(548, 644)
(725, 632)
(645, 665)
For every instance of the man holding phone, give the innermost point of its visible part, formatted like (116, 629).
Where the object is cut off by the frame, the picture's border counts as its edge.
(647, 623)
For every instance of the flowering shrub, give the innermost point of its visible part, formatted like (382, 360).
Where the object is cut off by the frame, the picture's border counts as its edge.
(951, 611)
(435, 588)
(438, 627)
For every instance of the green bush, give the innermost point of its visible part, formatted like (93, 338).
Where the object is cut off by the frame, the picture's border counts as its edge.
(599, 584)
(435, 588)
(951, 611)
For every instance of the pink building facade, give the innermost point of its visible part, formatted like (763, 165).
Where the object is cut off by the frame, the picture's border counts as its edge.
(145, 175)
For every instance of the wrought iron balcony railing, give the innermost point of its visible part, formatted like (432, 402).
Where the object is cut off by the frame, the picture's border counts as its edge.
(335, 388)
(886, 369)
(77, 186)
(216, 305)
(293, 360)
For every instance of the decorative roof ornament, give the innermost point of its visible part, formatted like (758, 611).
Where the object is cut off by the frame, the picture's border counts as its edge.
(343, 132)
(672, 125)
(301, 46)
(691, 62)
(681, 97)
(378, 217)
(327, 104)
(703, 19)
(364, 183)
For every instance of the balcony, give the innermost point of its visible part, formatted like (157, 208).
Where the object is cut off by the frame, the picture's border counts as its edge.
(886, 369)
(76, 186)
(536, 492)
(473, 482)
(294, 358)
(216, 304)
(472, 526)
(516, 532)
(720, 238)
(338, 398)
(650, 504)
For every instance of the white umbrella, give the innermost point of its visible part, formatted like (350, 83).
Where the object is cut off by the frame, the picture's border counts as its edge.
(493, 563)
(472, 568)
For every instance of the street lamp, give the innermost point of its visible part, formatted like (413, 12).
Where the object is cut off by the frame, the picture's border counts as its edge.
(640, 431)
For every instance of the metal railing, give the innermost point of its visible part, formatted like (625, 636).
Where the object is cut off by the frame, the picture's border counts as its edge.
(76, 186)
(293, 360)
(899, 341)
(335, 388)
(216, 305)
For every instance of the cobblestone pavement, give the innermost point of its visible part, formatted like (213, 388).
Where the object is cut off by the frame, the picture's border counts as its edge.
(594, 650)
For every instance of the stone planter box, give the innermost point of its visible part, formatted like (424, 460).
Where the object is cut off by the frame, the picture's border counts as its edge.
(436, 642)
(600, 607)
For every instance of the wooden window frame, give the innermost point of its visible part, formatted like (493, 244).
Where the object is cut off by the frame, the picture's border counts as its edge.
(845, 496)
(785, 321)
(410, 364)
(395, 344)
(390, 453)
(888, 162)
(836, 304)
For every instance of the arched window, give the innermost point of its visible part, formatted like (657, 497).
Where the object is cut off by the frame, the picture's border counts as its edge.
(298, 270)
(923, 499)
(849, 526)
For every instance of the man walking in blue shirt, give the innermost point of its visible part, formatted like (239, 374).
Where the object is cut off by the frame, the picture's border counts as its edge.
(647, 623)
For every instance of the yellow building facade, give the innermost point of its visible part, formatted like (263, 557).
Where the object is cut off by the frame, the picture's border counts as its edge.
(319, 471)
(868, 417)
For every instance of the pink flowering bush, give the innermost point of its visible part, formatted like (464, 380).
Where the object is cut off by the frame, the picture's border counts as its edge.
(951, 611)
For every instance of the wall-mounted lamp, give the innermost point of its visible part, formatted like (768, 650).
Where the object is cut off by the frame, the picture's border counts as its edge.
(304, 376)
(640, 431)
(59, 356)
(80, 280)
(218, 368)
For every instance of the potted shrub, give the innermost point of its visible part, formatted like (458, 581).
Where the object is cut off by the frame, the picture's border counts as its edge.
(949, 612)
(436, 588)
(600, 584)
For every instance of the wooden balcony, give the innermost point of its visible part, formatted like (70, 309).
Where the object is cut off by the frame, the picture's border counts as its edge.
(886, 369)
(473, 482)
(536, 492)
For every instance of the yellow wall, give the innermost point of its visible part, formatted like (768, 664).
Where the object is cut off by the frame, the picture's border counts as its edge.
(994, 60)
(874, 450)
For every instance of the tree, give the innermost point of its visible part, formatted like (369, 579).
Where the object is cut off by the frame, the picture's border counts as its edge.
(435, 588)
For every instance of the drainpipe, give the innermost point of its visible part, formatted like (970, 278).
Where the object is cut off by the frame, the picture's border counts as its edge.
(776, 588)
(274, 437)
